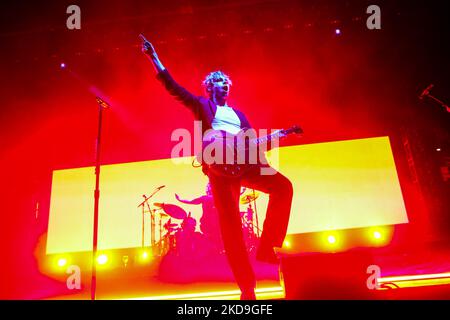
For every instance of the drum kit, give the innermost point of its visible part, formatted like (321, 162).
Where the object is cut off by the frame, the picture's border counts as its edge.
(250, 223)
(176, 228)
(173, 221)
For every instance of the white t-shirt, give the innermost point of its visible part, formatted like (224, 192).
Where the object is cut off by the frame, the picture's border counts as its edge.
(227, 120)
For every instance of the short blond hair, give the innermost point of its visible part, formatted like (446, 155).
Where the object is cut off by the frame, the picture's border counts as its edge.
(215, 75)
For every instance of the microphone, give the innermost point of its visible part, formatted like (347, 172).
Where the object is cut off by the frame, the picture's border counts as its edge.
(160, 187)
(142, 38)
(146, 45)
(426, 91)
(102, 103)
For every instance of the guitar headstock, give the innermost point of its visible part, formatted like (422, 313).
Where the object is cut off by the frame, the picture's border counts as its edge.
(294, 129)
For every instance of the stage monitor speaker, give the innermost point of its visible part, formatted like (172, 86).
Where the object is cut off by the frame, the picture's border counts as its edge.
(327, 276)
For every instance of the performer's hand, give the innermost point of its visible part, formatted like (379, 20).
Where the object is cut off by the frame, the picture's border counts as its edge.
(147, 47)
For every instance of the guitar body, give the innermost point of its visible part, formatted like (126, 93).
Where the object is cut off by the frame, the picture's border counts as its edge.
(222, 152)
(231, 155)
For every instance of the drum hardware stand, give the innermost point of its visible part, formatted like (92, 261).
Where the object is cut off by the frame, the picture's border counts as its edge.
(160, 230)
(162, 241)
(152, 217)
(256, 214)
(249, 219)
(253, 226)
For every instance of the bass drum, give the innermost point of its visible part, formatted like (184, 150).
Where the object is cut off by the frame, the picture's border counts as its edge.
(189, 243)
(210, 228)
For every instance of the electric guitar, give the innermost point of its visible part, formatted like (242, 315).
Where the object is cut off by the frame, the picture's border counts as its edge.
(231, 155)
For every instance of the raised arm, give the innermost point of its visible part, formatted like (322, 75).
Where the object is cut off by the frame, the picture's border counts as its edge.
(198, 200)
(150, 52)
(188, 99)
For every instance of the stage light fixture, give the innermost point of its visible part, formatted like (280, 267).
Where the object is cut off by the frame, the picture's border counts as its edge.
(62, 262)
(62, 65)
(331, 239)
(102, 259)
(338, 31)
(144, 256)
(379, 236)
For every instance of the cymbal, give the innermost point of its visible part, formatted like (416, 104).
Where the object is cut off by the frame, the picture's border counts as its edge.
(249, 197)
(170, 225)
(173, 210)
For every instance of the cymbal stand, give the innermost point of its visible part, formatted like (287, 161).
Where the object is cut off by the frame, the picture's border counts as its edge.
(142, 204)
(256, 214)
(249, 220)
(161, 242)
(152, 217)
(143, 223)
(152, 225)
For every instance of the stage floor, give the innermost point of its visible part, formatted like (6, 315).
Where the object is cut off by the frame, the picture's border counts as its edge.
(212, 278)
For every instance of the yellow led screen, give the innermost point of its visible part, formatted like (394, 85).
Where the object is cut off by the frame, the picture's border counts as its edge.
(337, 185)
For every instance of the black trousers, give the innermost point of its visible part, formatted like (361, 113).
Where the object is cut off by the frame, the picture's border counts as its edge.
(226, 192)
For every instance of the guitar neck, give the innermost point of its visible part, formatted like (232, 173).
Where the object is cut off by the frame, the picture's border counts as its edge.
(276, 135)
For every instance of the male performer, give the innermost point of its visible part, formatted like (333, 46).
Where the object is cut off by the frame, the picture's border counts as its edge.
(214, 113)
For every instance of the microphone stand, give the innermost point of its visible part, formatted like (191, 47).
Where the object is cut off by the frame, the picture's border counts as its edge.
(439, 101)
(143, 213)
(427, 94)
(101, 105)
